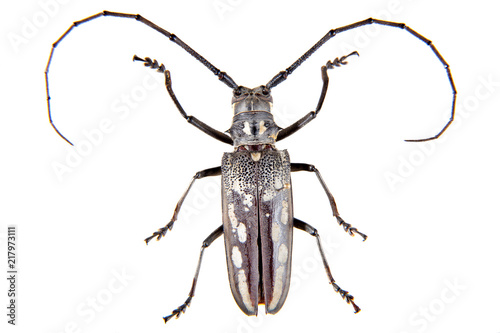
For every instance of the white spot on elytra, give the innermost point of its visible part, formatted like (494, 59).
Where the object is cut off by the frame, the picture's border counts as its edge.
(246, 128)
(282, 254)
(267, 195)
(247, 199)
(236, 257)
(278, 184)
(278, 287)
(238, 227)
(232, 216)
(284, 212)
(242, 232)
(237, 187)
(275, 232)
(243, 289)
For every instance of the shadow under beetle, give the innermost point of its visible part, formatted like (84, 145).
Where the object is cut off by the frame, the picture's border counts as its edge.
(257, 209)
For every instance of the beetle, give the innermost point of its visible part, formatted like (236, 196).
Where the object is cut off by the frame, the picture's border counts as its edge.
(257, 207)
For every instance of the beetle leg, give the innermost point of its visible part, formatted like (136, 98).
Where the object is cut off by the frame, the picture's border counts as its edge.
(313, 232)
(148, 62)
(200, 174)
(311, 168)
(206, 243)
(287, 131)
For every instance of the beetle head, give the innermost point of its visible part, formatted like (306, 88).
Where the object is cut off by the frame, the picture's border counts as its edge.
(253, 123)
(256, 99)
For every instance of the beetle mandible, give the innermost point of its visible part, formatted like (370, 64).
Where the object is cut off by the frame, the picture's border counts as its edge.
(257, 207)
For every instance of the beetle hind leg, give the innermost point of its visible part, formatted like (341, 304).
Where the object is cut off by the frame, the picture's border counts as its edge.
(313, 232)
(177, 312)
(206, 243)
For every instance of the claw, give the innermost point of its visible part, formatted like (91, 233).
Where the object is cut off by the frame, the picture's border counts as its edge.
(349, 229)
(345, 295)
(160, 233)
(152, 63)
(338, 62)
(177, 312)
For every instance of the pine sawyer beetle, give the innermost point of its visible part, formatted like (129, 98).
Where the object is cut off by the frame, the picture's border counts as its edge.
(257, 209)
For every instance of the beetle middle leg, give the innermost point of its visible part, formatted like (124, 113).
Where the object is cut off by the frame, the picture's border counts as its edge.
(206, 243)
(313, 232)
(200, 174)
(311, 168)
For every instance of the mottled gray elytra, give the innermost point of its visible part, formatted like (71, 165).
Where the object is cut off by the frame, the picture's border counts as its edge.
(257, 207)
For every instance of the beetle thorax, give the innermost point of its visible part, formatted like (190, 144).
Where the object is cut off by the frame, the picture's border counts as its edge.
(253, 124)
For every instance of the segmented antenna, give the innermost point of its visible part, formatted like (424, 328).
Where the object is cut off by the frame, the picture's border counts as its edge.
(283, 75)
(221, 75)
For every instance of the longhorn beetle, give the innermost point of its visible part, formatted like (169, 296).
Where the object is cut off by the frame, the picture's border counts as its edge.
(257, 208)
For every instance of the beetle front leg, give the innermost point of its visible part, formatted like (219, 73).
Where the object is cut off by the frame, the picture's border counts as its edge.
(313, 232)
(200, 174)
(287, 131)
(148, 62)
(311, 168)
(206, 243)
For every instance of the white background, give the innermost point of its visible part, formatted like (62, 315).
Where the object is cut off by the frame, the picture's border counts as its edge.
(430, 263)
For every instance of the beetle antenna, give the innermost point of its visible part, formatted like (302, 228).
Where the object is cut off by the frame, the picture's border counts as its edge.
(221, 75)
(48, 96)
(283, 75)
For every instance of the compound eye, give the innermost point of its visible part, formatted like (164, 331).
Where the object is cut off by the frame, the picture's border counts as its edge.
(265, 91)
